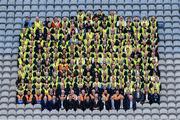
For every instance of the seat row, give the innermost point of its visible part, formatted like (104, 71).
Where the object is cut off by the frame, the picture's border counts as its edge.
(65, 2)
(70, 7)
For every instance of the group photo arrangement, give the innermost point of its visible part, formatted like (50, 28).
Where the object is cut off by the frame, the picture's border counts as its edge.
(89, 61)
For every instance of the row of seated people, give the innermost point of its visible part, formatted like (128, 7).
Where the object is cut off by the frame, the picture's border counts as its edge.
(96, 99)
(88, 52)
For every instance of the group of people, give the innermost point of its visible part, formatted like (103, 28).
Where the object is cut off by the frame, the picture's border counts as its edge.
(89, 61)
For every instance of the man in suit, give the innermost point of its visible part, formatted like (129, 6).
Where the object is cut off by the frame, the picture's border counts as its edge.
(147, 96)
(138, 95)
(156, 97)
(129, 102)
(45, 104)
(70, 104)
(88, 103)
(72, 101)
(97, 103)
(55, 103)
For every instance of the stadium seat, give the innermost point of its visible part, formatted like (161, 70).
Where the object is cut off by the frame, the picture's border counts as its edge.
(51, 2)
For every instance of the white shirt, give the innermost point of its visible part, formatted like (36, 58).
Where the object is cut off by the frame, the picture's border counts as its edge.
(131, 104)
(138, 95)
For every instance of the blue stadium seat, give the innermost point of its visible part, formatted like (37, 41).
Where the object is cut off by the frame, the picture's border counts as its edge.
(18, 9)
(136, 13)
(128, 13)
(120, 8)
(112, 7)
(65, 14)
(166, 2)
(18, 14)
(58, 2)
(57, 14)
(151, 7)
(128, 2)
(81, 7)
(120, 2)
(90, 7)
(51, 2)
(43, 2)
(34, 2)
(50, 8)
(128, 7)
(82, 2)
(34, 8)
(106, 2)
(97, 2)
(26, 8)
(144, 7)
(73, 13)
(136, 7)
(11, 9)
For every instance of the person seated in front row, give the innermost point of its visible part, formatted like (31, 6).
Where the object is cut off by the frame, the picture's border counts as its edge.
(45, 104)
(88, 103)
(97, 103)
(106, 100)
(156, 97)
(116, 100)
(71, 102)
(138, 95)
(55, 103)
(62, 99)
(38, 97)
(82, 99)
(129, 102)
(28, 97)
(20, 98)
